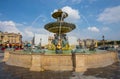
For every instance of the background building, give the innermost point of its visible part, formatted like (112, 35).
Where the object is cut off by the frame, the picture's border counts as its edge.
(11, 38)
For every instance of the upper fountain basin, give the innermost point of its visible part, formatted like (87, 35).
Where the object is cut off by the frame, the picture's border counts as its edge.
(60, 27)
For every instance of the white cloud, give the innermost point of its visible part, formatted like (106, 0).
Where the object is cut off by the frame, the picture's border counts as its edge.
(28, 33)
(73, 14)
(93, 29)
(8, 26)
(110, 15)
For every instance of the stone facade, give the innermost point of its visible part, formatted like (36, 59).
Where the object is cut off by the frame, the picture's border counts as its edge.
(76, 62)
(6, 37)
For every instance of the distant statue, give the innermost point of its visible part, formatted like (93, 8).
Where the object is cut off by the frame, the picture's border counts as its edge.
(85, 45)
(79, 47)
(92, 46)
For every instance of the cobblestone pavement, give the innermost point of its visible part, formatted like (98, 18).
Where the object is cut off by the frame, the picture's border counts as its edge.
(12, 72)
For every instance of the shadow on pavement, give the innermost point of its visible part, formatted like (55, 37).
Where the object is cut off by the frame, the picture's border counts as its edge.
(12, 72)
(109, 72)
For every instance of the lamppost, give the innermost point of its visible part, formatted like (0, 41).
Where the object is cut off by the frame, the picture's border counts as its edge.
(103, 41)
(40, 42)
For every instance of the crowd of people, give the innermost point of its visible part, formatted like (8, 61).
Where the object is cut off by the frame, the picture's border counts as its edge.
(16, 46)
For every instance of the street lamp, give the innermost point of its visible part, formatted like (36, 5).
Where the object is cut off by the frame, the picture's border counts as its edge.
(40, 42)
(103, 40)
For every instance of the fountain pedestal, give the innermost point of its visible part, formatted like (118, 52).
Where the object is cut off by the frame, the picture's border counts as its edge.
(36, 63)
(80, 65)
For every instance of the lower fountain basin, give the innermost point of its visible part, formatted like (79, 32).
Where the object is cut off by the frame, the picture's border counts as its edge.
(60, 62)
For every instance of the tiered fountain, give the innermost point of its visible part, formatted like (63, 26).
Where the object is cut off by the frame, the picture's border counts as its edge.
(60, 28)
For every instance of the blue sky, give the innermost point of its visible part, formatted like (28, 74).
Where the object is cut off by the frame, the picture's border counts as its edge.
(93, 18)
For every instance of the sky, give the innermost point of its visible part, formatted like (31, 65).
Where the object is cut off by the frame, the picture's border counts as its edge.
(93, 18)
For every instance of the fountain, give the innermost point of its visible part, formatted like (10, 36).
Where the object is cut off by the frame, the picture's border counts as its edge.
(60, 28)
(79, 60)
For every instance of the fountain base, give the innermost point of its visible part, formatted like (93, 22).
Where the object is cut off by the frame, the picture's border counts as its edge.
(60, 62)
